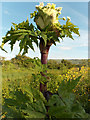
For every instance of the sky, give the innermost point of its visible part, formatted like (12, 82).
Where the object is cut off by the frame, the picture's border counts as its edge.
(17, 12)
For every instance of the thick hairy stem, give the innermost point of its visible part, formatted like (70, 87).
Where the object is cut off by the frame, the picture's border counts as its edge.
(44, 52)
(43, 86)
(44, 55)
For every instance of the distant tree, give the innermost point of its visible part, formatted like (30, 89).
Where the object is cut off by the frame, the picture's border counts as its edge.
(67, 63)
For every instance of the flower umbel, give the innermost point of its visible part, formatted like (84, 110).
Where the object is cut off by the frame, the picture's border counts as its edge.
(64, 18)
(68, 18)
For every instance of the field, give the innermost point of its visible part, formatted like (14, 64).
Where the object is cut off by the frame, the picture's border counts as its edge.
(20, 88)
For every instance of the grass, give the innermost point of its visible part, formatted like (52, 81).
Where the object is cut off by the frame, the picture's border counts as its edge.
(14, 76)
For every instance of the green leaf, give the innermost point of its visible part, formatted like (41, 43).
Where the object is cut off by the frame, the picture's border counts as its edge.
(68, 29)
(34, 39)
(11, 112)
(38, 95)
(3, 49)
(31, 27)
(25, 50)
(22, 43)
(64, 115)
(10, 102)
(69, 85)
(76, 31)
(21, 97)
(78, 111)
(39, 106)
(77, 108)
(65, 91)
(44, 38)
(21, 32)
(29, 43)
(63, 33)
(55, 100)
(34, 93)
(57, 111)
(33, 114)
(14, 24)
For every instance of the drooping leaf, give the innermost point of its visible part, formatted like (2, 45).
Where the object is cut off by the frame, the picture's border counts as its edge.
(55, 101)
(44, 36)
(69, 85)
(25, 34)
(33, 114)
(78, 111)
(58, 111)
(12, 112)
(3, 49)
(34, 39)
(22, 43)
(66, 94)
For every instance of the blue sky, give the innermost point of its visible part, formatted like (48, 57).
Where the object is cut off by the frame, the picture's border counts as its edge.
(68, 49)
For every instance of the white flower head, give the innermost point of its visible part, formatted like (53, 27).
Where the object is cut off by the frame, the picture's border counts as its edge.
(64, 18)
(41, 4)
(59, 8)
(37, 6)
(59, 12)
(69, 18)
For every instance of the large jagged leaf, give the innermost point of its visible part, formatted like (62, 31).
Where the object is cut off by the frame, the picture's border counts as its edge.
(69, 85)
(12, 112)
(24, 33)
(34, 39)
(60, 112)
(39, 106)
(33, 114)
(51, 36)
(35, 110)
(66, 93)
(3, 49)
(27, 104)
(78, 111)
(55, 100)
(25, 50)
(64, 104)
(10, 102)
(22, 43)
(34, 93)
(38, 95)
(48, 28)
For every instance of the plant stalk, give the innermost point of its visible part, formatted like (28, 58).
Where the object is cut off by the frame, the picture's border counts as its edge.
(44, 55)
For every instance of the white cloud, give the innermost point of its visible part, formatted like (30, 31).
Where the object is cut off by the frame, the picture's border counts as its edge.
(71, 49)
(77, 42)
(65, 48)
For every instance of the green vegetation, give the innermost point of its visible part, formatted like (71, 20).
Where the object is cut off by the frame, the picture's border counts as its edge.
(21, 97)
(34, 89)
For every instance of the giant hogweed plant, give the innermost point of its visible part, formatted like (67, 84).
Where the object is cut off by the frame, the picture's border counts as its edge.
(47, 32)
